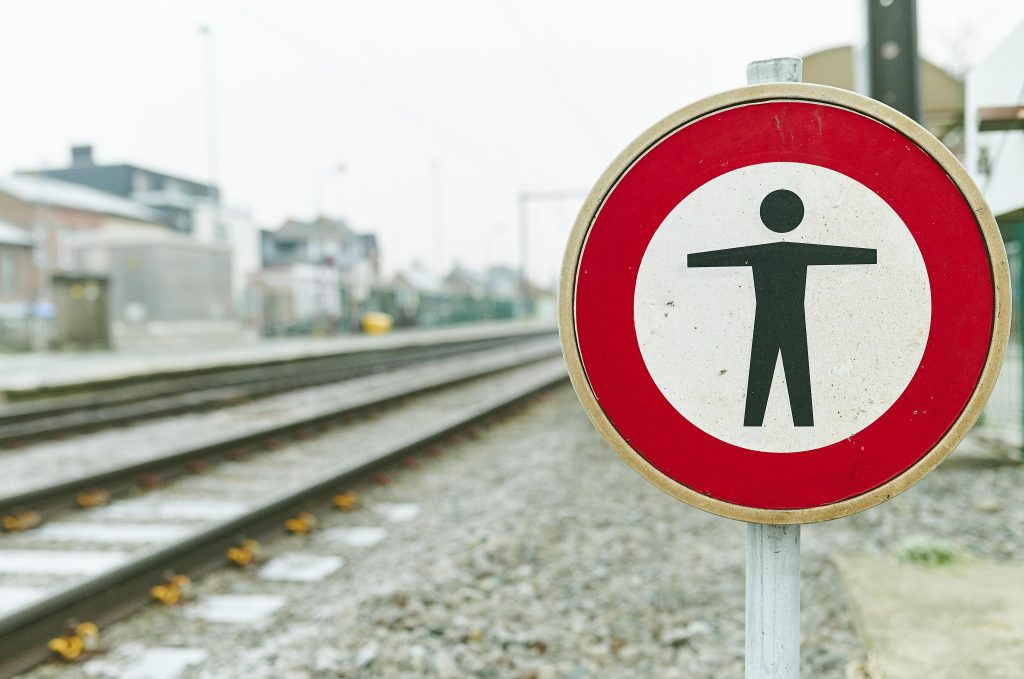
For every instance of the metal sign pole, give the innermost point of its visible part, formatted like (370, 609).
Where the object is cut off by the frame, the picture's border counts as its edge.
(773, 552)
(773, 601)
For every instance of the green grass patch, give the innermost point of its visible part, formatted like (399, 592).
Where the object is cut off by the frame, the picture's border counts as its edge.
(929, 551)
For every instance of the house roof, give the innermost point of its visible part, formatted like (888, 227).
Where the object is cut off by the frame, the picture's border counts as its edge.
(368, 239)
(48, 191)
(14, 235)
(470, 276)
(419, 278)
(295, 229)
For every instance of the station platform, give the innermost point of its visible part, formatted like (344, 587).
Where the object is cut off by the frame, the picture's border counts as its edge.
(23, 373)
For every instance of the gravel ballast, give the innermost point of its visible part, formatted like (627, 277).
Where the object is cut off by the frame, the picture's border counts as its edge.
(535, 554)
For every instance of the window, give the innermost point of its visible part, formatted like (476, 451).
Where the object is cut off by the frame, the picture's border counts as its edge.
(8, 273)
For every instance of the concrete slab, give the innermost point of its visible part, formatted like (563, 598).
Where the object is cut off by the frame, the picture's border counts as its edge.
(13, 598)
(143, 509)
(358, 536)
(57, 562)
(986, 445)
(300, 567)
(236, 609)
(397, 512)
(145, 663)
(940, 622)
(110, 533)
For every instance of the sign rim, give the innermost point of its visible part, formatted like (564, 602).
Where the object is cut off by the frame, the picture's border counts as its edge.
(820, 94)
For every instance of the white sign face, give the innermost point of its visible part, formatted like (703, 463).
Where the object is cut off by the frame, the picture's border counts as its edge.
(867, 314)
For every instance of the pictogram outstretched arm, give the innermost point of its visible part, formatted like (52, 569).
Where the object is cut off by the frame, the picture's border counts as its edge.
(743, 256)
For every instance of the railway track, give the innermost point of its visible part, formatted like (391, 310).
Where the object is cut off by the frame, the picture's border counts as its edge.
(186, 525)
(161, 395)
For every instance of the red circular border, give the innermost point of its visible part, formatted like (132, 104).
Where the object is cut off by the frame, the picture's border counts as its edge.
(882, 159)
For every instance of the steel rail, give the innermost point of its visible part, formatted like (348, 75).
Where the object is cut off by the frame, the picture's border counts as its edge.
(123, 479)
(169, 396)
(120, 591)
(103, 392)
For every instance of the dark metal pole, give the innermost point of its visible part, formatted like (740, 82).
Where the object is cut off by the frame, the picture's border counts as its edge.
(894, 76)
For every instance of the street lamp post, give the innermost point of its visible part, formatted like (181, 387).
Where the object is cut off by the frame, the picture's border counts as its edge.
(318, 195)
(525, 198)
(211, 109)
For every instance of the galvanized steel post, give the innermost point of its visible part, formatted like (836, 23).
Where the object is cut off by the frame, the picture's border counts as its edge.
(773, 602)
(773, 552)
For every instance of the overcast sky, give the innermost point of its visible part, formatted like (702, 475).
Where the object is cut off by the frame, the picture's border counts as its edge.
(440, 112)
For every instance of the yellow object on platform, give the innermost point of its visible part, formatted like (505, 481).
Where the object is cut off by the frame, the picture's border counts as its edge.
(377, 323)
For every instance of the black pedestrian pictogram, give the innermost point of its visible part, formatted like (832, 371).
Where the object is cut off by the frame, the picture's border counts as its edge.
(780, 324)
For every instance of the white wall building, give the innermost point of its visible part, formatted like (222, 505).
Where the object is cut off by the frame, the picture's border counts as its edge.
(235, 229)
(996, 159)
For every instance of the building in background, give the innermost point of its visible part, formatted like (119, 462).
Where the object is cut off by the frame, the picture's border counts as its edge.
(322, 241)
(171, 197)
(418, 296)
(503, 283)
(57, 214)
(186, 206)
(82, 235)
(421, 297)
(942, 93)
(165, 289)
(16, 286)
(317, 276)
(121, 254)
(480, 295)
(301, 299)
(995, 134)
(235, 229)
(466, 283)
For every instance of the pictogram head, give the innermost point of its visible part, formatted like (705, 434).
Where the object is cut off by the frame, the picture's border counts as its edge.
(782, 211)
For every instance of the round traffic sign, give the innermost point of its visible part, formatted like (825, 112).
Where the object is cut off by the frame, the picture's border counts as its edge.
(785, 303)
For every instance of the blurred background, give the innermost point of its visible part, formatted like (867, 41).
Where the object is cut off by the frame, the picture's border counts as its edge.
(233, 228)
(299, 166)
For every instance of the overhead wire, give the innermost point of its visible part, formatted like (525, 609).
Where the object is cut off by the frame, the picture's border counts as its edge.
(315, 54)
(561, 87)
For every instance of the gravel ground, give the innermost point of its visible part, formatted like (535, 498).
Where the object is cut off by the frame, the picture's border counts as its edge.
(53, 461)
(538, 554)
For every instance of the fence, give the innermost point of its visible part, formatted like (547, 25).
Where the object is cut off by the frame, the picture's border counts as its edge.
(1003, 418)
(17, 334)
